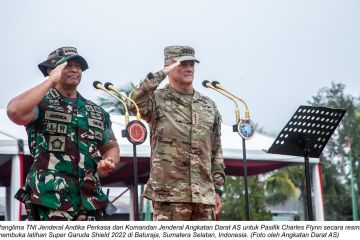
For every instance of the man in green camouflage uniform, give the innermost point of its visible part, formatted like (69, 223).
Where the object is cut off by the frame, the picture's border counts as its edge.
(65, 132)
(187, 167)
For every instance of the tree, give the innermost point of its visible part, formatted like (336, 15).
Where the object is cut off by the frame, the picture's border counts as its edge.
(337, 202)
(234, 200)
(279, 187)
(335, 167)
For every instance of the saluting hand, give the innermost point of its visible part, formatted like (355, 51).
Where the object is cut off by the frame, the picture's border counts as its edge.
(169, 68)
(55, 74)
(105, 166)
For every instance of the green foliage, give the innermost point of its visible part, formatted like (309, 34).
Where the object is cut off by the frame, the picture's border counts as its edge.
(335, 166)
(280, 186)
(233, 205)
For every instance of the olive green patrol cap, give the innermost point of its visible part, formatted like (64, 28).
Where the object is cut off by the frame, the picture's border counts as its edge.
(60, 56)
(179, 53)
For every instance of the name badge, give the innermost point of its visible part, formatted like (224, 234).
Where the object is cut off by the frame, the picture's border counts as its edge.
(57, 116)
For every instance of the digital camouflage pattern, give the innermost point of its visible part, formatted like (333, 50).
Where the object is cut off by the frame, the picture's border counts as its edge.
(186, 155)
(179, 53)
(48, 214)
(166, 211)
(64, 140)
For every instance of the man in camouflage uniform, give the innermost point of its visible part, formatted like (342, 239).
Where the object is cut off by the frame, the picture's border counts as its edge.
(65, 132)
(187, 167)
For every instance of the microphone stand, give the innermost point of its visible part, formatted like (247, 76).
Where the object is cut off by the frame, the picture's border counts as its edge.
(98, 85)
(239, 127)
(244, 137)
(136, 134)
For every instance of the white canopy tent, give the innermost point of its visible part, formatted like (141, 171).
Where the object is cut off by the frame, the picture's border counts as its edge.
(11, 166)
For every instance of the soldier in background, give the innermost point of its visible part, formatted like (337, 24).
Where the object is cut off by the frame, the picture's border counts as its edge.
(187, 166)
(66, 133)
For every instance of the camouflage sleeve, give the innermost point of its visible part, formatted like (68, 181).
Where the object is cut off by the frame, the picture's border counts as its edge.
(217, 159)
(143, 95)
(108, 137)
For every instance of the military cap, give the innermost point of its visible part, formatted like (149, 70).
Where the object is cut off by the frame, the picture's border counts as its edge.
(179, 53)
(62, 55)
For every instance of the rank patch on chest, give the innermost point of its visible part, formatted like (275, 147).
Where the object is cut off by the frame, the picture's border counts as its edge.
(98, 135)
(195, 118)
(96, 123)
(89, 108)
(59, 108)
(54, 93)
(57, 143)
(96, 115)
(61, 128)
(97, 109)
(54, 102)
(51, 127)
(57, 116)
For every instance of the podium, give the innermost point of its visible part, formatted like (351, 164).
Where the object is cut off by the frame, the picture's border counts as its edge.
(306, 135)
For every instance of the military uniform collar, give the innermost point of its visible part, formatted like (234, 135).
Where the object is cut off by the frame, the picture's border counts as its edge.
(80, 100)
(177, 95)
(55, 94)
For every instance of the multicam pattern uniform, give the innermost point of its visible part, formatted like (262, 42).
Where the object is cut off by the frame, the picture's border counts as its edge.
(186, 155)
(64, 141)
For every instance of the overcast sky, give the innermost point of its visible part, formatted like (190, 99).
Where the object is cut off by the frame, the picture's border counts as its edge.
(275, 54)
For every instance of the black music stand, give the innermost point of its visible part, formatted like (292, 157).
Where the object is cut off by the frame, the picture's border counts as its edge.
(306, 135)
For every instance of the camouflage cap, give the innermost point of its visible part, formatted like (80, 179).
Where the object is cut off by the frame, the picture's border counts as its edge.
(62, 55)
(179, 53)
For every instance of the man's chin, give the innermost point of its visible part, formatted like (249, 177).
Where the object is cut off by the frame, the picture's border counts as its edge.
(188, 79)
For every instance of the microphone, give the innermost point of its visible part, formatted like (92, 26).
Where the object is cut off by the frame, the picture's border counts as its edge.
(207, 84)
(98, 85)
(217, 85)
(109, 86)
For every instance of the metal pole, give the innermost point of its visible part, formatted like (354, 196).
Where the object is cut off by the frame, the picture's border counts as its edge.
(135, 186)
(353, 190)
(245, 182)
(308, 186)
